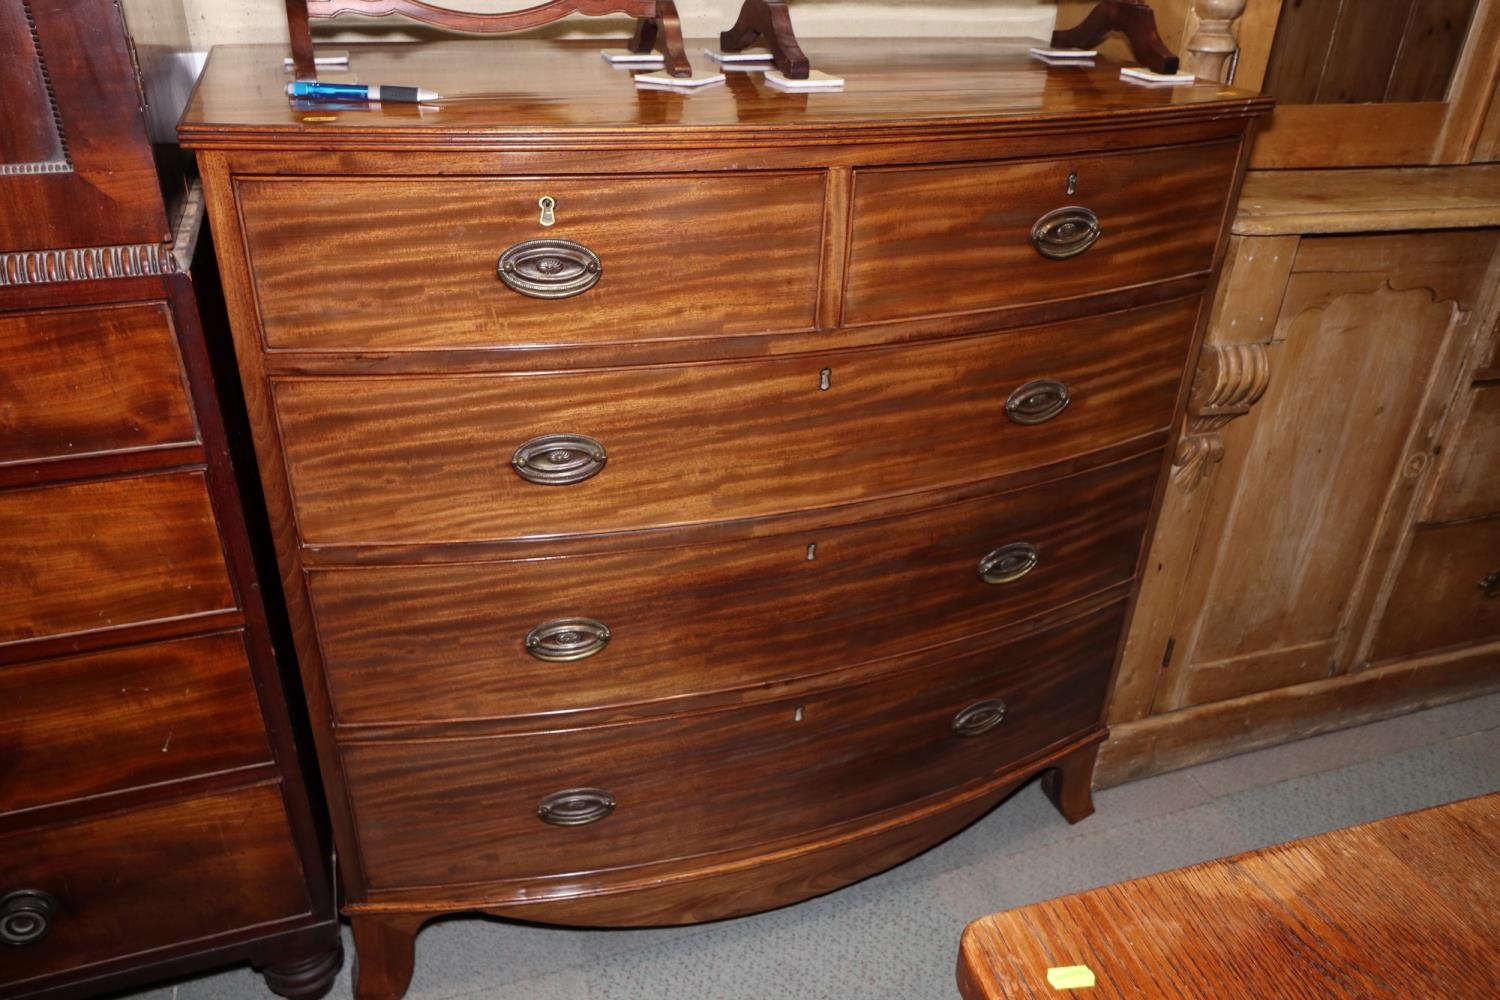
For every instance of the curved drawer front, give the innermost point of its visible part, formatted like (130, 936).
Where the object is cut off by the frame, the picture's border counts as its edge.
(85, 725)
(960, 238)
(430, 459)
(466, 810)
(802, 603)
(84, 381)
(110, 553)
(416, 262)
(119, 882)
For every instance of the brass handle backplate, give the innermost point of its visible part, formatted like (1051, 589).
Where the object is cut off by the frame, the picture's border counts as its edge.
(1008, 563)
(26, 916)
(576, 806)
(1491, 584)
(565, 639)
(550, 269)
(979, 718)
(559, 459)
(1038, 401)
(1065, 232)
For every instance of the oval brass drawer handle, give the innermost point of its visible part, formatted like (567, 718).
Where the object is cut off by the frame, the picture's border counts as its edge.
(1065, 232)
(979, 718)
(26, 916)
(566, 639)
(559, 459)
(1490, 585)
(576, 806)
(1008, 563)
(1038, 401)
(550, 269)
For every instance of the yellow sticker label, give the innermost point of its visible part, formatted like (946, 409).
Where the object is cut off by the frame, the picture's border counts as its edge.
(320, 118)
(1070, 977)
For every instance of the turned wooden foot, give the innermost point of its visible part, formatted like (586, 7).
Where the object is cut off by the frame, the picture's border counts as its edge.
(306, 979)
(384, 950)
(1070, 784)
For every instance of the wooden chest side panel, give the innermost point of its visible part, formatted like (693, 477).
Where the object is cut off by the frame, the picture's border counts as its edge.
(428, 459)
(106, 554)
(465, 810)
(704, 618)
(958, 239)
(411, 263)
(82, 381)
(103, 722)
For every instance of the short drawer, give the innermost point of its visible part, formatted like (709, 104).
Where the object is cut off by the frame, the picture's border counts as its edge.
(547, 635)
(83, 381)
(420, 459)
(157, 877)
(372, 264)
(1470, 483)
(936, 240)
(108, 554)
(84, 725)
(1447, 592)
(469, 810)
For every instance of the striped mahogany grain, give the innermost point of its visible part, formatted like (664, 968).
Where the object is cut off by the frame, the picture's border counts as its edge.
(108, 721)
(1402, 907)
(106, 554)
(129, 882)
(411, 262)
(84, 381)
(392, 460)
(691, 619)
(958, 238)
(464, 810)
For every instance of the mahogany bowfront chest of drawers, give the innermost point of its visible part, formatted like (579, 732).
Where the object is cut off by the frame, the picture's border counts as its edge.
(689, 504)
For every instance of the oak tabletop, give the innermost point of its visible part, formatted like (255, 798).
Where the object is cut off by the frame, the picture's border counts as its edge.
(1401, 907)
(500, 87)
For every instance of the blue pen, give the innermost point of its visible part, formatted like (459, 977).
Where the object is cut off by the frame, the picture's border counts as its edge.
(358, 92)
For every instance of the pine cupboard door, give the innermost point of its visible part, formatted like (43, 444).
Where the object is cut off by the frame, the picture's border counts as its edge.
(1277, 559)
(1400, 82)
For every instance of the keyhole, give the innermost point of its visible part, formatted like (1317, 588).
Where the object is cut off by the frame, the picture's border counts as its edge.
(812, 552)
(1073, 183)
(797, 716)
(825, 379)
(547, 204)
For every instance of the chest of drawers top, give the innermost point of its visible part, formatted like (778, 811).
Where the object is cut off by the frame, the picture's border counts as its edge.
(547, 95)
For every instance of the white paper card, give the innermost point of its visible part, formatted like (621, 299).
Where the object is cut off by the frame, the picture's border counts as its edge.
(748, 56)
(329, 59)
(1136, 74)
(664, 81)
(816, 80)
(1045, 53)
(626, 57)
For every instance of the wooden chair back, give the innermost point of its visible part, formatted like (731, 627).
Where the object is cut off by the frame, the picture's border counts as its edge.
(657, 25)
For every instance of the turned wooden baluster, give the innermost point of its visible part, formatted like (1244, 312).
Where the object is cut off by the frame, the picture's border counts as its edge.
(1211, 44)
